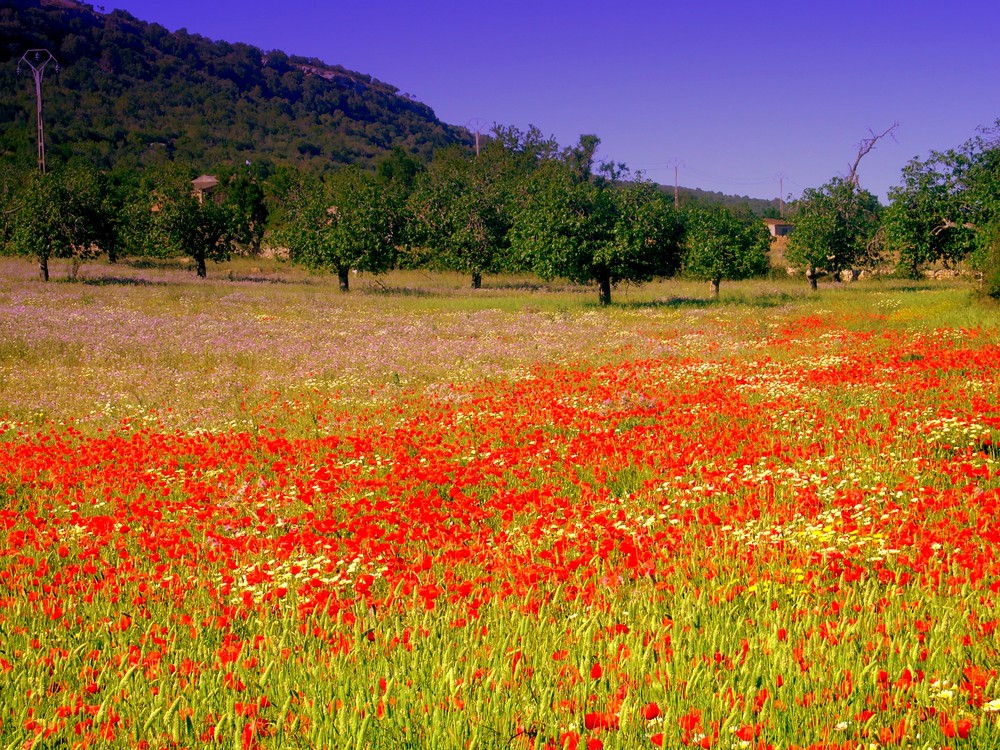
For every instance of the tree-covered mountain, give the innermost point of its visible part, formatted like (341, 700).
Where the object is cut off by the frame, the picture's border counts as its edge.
(131, 93)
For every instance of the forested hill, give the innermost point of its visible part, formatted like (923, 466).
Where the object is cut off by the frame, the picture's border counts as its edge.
(131, 93)
(762, 207)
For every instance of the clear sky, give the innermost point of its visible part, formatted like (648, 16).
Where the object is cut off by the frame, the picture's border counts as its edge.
(735, 93)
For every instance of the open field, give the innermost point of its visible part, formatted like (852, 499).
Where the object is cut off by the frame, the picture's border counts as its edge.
(252, 512)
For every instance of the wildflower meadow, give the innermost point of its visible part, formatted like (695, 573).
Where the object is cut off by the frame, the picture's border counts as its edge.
(252, 512)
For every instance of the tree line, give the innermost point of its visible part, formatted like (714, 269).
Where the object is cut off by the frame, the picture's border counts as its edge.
(521, 204)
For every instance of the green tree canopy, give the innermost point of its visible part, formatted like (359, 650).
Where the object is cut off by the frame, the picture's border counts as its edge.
(462, 209)
(245, 200)
(399, 170)
(574, 226)
(59, 214)
(347, 221)
(947, 208)
(203, 227)
(983, 205)
(835, 229)
(928, 219)
(720, 245)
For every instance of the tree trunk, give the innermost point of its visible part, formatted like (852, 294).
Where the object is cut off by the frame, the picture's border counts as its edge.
(344, 276)
(909, 268)
(43, 267)
(477, 280)
(812, 276)
(604, 287)
(202, 270)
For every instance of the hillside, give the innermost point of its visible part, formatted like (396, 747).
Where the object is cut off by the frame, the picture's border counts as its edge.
(695, 196)
(132, 93)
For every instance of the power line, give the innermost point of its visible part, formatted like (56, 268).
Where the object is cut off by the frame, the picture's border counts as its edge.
(778, 179)
(661, 166)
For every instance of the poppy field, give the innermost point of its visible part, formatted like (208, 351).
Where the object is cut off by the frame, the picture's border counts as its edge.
(250, 515)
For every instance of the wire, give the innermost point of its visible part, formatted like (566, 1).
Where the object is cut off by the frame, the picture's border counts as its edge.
(685, 168)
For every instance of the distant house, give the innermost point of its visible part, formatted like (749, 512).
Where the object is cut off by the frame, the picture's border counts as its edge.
(778, 227)
(204, 184)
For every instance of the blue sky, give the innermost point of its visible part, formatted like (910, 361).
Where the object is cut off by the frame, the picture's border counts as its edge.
(735, 93)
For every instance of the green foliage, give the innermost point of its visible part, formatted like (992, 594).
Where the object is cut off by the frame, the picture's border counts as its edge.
(127, 91)
(696, 198)
(280, 186)
(989, 264)
(835, 228)
(10, 180)
(647, 234)
(63, 213)
(948, 206)
(203, 228)
(984, 206)
(348, 221)
(580, 158)
(399, 171)
(38, 227)
(526, 149)
(462, 209)
(563, 225)
(246, 202)
(927, 220)
(586, 230)
(720, 245)
(135, 201)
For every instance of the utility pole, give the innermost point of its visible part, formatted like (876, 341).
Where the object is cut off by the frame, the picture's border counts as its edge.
(677, 199)
(781, 195)
(476, 124)
(42, 57)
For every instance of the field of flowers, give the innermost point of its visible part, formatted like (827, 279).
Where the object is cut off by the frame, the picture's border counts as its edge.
(255, 513)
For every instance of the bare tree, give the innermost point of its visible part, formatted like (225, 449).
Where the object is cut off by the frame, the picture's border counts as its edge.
(865, 147)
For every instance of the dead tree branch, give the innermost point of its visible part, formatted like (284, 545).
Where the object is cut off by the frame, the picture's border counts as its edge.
(865, 147)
